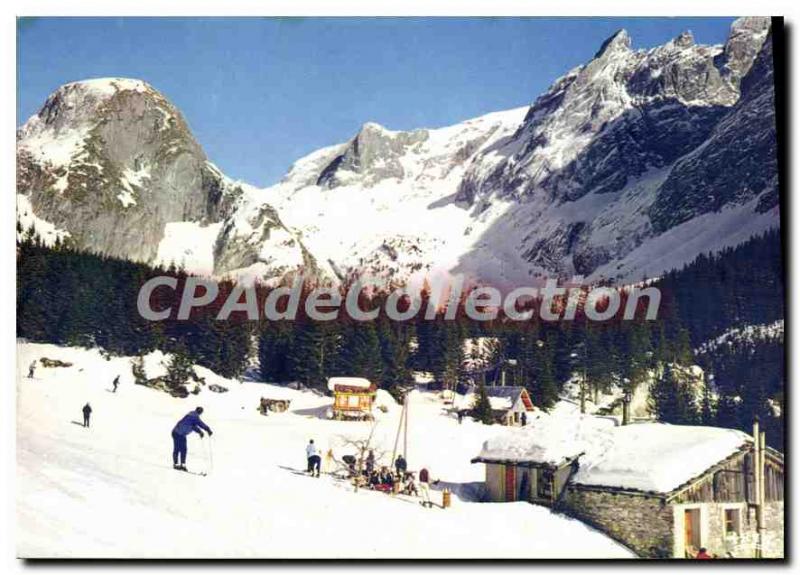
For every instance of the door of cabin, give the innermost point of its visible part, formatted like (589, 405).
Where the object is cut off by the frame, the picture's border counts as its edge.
(691, 527)
(511, 483)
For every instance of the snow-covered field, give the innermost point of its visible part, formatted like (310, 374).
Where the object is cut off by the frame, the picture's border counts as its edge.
(109, 491)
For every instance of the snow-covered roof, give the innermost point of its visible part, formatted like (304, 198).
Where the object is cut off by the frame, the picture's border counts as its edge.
(467, 401)
(656, 456)
(501, 397)
(358, 382)
(653, 457)
(546, 439)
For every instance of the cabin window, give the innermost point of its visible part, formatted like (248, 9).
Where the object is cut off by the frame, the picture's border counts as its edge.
(354, 401)
(733, 522)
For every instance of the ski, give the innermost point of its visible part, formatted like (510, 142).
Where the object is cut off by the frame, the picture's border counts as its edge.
(190, 472)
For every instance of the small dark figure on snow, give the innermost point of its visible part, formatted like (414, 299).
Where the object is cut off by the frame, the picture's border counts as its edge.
(400, 466)
(369, 465)
(350, 461)
(115, 383)
(314, 459)
(524, 419)
(87, 412)
(189, 423)
(31, 369)
(460, 416)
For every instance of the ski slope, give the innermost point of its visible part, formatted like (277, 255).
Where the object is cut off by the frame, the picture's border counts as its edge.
(110, 491)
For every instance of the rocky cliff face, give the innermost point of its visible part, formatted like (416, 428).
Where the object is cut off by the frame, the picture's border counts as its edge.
(627, 166)
(738, 161)
(638, 127)
(113, 163)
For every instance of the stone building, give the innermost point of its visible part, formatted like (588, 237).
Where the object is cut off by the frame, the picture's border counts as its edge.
(662, 490)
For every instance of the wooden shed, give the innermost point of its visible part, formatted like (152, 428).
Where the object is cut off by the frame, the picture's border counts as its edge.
(353, 397)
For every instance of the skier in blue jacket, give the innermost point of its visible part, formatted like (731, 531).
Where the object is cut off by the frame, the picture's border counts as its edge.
(189, 423)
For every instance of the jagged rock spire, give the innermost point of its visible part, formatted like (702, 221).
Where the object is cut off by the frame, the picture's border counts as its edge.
(619, 41)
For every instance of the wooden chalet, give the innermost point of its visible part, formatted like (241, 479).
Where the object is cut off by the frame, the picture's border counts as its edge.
(509, 403)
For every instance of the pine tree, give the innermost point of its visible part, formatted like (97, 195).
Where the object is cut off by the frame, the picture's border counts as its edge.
(274, 349)
(361, 351)
(672, 398)
(446, 352)
(543, 387)
(482, 407)
(180, 369)
(395, 348)
(307, 354)
(637, 355)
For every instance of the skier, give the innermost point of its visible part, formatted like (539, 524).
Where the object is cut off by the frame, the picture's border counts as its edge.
(313, 458)
(524, 419)
(424, 487)
(115, 383)
(460, 416)
(189, 423)
(400, 466)
(87, 412)
(31, 369)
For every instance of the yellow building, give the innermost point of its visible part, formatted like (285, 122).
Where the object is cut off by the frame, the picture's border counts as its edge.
(353, 397)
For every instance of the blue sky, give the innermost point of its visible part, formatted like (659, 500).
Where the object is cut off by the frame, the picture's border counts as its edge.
(259, 93)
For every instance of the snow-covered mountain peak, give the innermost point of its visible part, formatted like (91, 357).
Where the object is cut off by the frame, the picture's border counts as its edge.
(82, 101)
(107, 87)
(619, 42)
(684, 39)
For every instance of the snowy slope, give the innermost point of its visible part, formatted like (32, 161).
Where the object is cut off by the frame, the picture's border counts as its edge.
(748, 333)
(109, 491)
(397, 215)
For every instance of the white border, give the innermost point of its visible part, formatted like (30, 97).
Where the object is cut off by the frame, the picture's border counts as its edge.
(15, 8)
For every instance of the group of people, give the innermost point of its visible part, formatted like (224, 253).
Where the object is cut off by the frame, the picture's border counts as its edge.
(382, 478)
